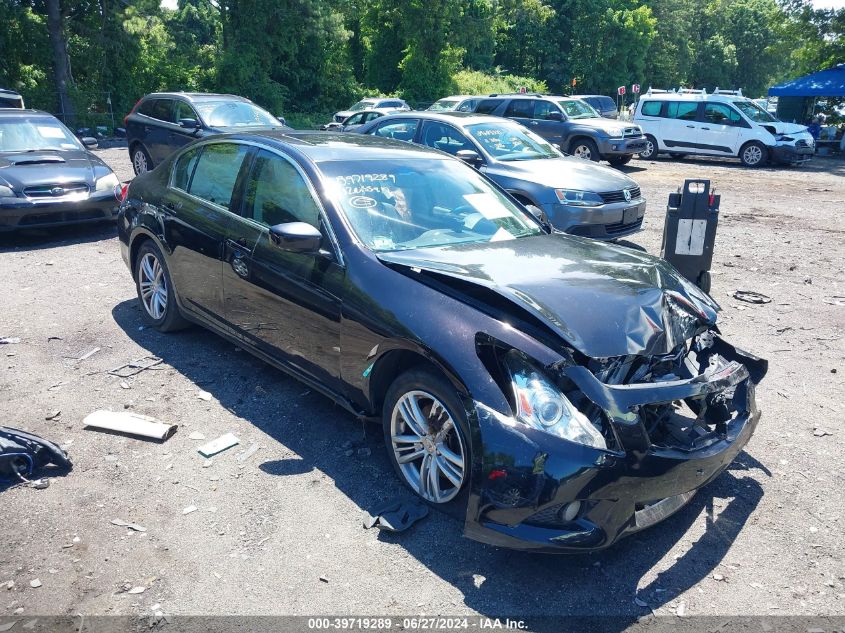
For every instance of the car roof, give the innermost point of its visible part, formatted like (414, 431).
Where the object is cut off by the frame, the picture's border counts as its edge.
(321, 147)
(9, 92)
(461, 97)
(195, 97)
(589, 96)
(21, 113)
(686, 96)
(460, 119)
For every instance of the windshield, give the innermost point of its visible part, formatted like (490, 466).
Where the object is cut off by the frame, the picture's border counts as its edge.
(443, 104)
(420, 203)
(20, 134)
(507, 142)
(753, 111)
(575, 109)
(234, 114)
(362, 105)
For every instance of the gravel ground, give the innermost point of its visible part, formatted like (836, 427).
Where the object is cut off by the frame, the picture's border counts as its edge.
(280, 532)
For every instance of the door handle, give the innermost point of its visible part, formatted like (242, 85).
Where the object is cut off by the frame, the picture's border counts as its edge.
(534, 122)
(691, 126)
(705, 128)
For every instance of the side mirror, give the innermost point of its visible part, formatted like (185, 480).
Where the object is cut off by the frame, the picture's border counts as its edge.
(539, 215)
(555, 116)
(297, 237)
(282, 120)
(190, 124)
(89, 141)
(470, 157)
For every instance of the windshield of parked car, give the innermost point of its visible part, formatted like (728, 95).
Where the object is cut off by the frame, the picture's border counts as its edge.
(575, 109)
(234, 114)
(20, 134)
(420, 203)
(443, 105)
(363, 105)
(753, 111)
(506, 142)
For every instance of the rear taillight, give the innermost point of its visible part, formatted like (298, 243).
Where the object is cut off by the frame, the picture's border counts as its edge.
(120, 191)
(135, 107)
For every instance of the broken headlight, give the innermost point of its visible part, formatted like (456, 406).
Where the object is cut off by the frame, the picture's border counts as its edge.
(540, 404)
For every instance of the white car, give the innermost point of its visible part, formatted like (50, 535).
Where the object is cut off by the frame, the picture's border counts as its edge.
(723, 123)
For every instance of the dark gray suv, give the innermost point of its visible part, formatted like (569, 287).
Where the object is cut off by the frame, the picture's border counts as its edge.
(571, 124)
(577, 196)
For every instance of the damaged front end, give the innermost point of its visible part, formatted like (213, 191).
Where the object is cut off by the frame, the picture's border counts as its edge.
(660, 428)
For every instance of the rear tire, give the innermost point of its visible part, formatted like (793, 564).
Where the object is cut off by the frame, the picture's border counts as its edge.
(141, 161)
(584, 148)
(650, 151)
(427, 438)
(753, 154)
(156, 294)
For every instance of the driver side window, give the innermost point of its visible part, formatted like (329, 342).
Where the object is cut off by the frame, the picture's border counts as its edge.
(277, 193)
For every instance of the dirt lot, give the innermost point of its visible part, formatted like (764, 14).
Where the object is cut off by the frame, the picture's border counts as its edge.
(280, 532)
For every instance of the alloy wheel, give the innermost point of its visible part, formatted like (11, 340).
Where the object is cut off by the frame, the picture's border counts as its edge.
(139, 162)
(649, 150)
(153, 286)
(752, 155)
(427, 446)
(583, 151)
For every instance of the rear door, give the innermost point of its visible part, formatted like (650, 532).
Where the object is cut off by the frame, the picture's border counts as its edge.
(157, 131)
(285, 304)
(197, 210)
(520, 110)
(679, 131)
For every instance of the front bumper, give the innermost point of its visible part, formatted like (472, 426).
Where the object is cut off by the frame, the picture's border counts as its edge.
(27, 213)
(791, 155)
(625, 146)
(524, 473)
(604, 222)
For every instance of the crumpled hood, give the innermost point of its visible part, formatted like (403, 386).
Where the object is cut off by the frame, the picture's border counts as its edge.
(604, 300)
(787, 128)
(48, 167)
(567, 173)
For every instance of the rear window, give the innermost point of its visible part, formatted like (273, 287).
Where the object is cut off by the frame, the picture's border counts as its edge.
(651, 108)
(487, 106)
(684, 110)
(161, 109)
(520, 108)
(603, 103)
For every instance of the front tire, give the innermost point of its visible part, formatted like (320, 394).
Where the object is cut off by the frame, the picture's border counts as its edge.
(156, 294)
(141, 161)
(650, 151)
(584, 148)
(427, 438)
(753, 154)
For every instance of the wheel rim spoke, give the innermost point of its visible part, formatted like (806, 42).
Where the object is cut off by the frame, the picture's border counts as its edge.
(453, 457)
(448, 471)
(406, 458)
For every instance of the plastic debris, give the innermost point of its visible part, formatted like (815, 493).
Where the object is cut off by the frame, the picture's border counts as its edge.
(395, 516)
(136, 590)
(130, 423)
(196, 435)
(53, 414)
(252, 450)
(820, 432)
(219, 445)
(749, 296)
(131, 526)
(22, 453)
(85, 355)
(136, 367)
(10, 340)
(35, 583)
(190, 509)
(204, 395)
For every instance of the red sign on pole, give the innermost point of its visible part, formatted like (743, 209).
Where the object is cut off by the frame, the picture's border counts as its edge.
(635, 88)
(620, 90)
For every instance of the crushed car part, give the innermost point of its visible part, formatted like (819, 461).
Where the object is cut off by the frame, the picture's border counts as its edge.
(22, 453)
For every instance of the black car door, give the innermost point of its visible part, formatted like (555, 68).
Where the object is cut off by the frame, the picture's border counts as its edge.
(156, 131)
(286, 304)
(196, 213)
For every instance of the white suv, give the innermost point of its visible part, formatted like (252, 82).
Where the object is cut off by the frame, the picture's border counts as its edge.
(720, 124)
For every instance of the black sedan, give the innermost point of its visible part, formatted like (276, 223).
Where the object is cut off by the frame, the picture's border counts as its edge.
(560, 392)
(48, 177)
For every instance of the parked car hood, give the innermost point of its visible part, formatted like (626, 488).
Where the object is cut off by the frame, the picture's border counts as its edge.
(781, 127)
(566, 173)
(44, 167)
(608, 126)
(604, 300)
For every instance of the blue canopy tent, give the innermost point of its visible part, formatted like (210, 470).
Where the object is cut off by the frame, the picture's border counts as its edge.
(797, 97)
(824, 83)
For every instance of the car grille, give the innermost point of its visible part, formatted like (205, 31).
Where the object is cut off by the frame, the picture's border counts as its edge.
(619, 196)
(57, 190)
(632, 131)
(621, 227)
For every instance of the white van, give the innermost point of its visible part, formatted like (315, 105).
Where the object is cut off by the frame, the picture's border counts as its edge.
(723, 123)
